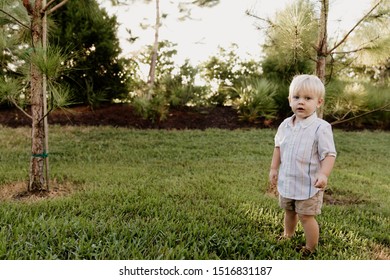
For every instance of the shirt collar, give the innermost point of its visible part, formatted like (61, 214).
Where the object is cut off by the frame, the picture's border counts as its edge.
(304, 123)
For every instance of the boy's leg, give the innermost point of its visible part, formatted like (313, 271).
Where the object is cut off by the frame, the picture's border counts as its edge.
(290, 222)
(311, 229)
(290, 216)
(307, 211)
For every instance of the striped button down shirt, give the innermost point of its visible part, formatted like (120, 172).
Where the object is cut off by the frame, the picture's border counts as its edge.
(302, 147)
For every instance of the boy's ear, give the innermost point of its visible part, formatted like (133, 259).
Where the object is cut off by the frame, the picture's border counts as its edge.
(320, 102)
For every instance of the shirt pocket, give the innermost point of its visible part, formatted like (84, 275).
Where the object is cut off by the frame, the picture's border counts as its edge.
(307, 152)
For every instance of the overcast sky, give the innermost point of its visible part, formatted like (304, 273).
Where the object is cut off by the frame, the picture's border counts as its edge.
(221, 25)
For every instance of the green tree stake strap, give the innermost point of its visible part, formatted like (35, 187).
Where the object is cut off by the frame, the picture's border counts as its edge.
(43, 155)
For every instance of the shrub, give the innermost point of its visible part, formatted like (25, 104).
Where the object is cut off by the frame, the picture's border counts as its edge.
(256, 100)
(357, 104)
(350, 102)
(154, 109)
(179, 91)
(378, 103)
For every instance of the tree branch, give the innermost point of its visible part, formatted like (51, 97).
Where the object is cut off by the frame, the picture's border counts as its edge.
(15, 19)
(360, 48)
(269, 22)
(56, 7)
(352, 51)
(354, 27)
(20, 108)
(44, 9)
(361, 115)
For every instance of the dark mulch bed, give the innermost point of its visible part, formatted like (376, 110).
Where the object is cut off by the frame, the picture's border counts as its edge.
(123, 115)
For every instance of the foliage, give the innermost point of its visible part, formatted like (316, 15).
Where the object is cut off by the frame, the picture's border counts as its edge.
(155, 108)
(98, 72)
(281, 98)
(256, 100)
(360, 101)
(11, 83)
(293, 32)
(57, 61)
(12, 36)
(378, 96)
(225, 71)
(170, 89)
(14, 88)
(165, 60)
(17, 56)
(290, 37)
(11, 90)
(51, 62)
(92, 96)
(181, 89)
(348, 101)
(158, 194)
(372, 39)
(206, 3)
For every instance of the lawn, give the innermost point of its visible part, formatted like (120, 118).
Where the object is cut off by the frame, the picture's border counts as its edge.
(155, 194)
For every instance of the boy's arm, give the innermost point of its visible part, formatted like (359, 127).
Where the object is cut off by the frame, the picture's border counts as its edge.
(275, 163)
(326, 168)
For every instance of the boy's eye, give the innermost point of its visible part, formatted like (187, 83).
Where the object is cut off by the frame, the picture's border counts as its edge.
(295, 97)
(307, 98)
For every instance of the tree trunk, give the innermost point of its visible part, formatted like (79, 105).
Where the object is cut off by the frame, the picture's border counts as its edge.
(38, 153)
(153, 62)
(322, 46)
(44, 97)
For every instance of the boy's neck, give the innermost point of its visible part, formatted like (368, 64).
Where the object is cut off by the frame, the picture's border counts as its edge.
(297, 120)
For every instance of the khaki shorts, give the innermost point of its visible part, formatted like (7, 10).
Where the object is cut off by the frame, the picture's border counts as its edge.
(311, 206)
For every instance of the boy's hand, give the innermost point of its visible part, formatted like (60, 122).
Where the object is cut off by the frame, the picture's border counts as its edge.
(273, 177)
(321, 181)
(322, 176)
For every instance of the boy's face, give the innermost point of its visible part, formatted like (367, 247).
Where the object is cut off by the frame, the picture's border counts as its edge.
(303, 104)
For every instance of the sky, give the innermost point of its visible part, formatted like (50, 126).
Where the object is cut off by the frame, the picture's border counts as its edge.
(221, 25)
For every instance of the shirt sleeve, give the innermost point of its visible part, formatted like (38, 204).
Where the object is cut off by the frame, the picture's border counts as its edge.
(279, 135)
(326, 146)
(277, 139)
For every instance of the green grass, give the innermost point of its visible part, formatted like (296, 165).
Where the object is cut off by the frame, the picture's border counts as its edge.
(185, 195)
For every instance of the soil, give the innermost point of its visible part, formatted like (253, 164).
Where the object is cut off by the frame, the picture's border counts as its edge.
(123, 115)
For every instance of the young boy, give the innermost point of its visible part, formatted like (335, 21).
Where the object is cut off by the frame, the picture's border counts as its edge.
(303, 159)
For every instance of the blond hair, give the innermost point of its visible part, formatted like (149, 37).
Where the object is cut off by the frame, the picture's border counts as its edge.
(307, 83)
